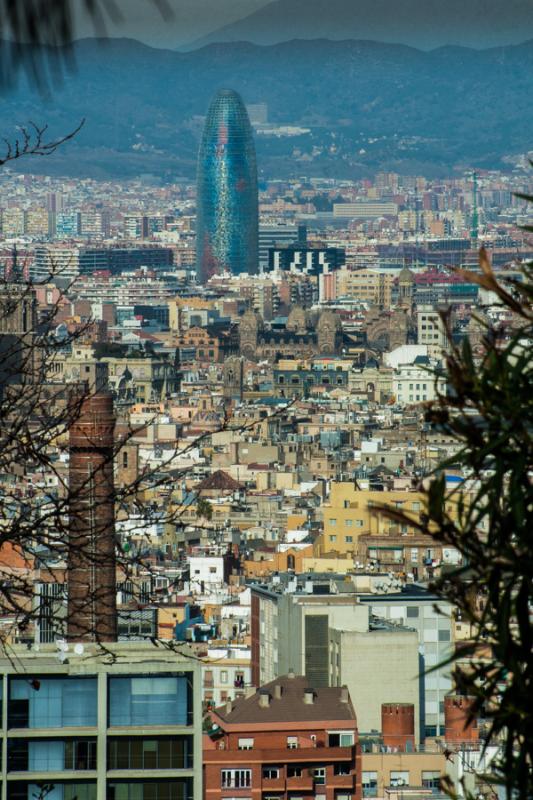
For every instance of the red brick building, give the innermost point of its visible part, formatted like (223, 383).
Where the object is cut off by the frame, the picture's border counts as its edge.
(286, 741)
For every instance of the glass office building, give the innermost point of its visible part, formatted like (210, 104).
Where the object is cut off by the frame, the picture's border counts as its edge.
(79, 726)
(227, 208)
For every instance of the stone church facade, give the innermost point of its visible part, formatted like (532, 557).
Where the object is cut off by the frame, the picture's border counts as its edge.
(302, 335)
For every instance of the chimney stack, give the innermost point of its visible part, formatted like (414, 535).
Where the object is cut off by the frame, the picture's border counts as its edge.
(91, 565)
(264, 699)
(344, 694)
(277, 691)
(309, 697)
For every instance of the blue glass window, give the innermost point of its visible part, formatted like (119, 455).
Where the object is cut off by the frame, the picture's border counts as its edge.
(52, 702)
(19, 790)
(157, 700)
(51, 755)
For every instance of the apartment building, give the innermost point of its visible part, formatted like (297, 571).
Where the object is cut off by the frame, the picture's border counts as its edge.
(284, 741)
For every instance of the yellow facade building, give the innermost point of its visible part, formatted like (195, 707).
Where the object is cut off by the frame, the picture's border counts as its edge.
(352, 512)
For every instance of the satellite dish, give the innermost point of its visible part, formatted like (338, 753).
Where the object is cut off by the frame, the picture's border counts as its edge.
(79, 649)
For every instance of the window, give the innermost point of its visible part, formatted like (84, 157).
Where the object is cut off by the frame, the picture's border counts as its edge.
(223, 676)
(44, 755)
(333, 538)
(412, 611)
(370, 784)
(168, 790)
(416, 506)
(319, 775)
(161, 753)
(359, 523)
(292, 742)
(430, 780)
(236, 778)
(125, 459)
(342, 768)
(294, 771)
(52, 702)
(245, 744)
(349, 539)
(333, 522)
(399, 778)
(444, 636)
(159, 700)
(341, 739)
(271, 773)
(349, 523)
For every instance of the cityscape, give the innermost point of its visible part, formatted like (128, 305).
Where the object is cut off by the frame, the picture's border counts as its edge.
(265, 434)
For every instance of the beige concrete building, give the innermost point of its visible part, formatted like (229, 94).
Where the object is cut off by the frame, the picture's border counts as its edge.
(431, 331)
(378, 666)
(366, 285)
(398, 776)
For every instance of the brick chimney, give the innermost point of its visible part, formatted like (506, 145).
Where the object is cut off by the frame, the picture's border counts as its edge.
(91, 566)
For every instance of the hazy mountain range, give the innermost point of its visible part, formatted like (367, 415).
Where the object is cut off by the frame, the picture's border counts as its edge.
(420, 23)
(368, 105)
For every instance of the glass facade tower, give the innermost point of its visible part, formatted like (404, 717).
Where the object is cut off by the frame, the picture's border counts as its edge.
(227, 207)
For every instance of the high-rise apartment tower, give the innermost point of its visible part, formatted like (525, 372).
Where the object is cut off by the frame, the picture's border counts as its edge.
(227, 207)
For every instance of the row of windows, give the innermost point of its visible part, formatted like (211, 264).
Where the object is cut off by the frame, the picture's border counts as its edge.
(430, 779)
(149, 790)
(72, 702)
(54, 755)
(242, 778)
(335, 739)
(415, 505)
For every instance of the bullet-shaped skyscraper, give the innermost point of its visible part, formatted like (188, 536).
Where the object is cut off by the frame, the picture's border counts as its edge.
(227, 207)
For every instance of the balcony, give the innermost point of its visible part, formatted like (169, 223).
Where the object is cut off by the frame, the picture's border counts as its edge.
(303, 783)
(341, 781)
(309, 756)
(273, 784)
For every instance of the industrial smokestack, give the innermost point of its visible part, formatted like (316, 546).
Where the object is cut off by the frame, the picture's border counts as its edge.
(91, 567)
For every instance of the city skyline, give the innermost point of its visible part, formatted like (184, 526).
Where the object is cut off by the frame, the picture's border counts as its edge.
(266, 388)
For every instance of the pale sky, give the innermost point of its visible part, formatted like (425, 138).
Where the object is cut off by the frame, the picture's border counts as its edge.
(191, 20)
